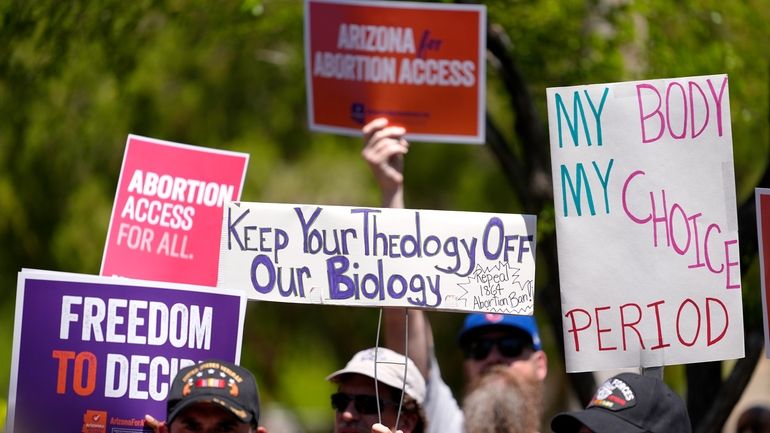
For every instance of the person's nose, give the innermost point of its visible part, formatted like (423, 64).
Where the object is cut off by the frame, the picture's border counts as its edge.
(350, 413)
(494, 357)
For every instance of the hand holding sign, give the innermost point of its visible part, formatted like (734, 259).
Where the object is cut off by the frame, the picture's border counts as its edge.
(155, 425)
(384, 150)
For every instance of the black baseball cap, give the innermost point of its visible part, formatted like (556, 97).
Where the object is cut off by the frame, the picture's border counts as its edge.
(629, 403)
(223, 383)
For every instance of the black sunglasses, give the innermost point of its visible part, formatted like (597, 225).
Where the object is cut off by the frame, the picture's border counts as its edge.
(509, 347)
(364, 404)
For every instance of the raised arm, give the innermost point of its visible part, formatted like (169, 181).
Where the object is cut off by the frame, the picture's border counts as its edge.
(384, 151)
(420, 335)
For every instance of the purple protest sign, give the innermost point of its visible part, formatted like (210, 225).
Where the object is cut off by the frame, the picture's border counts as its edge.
(95, 354)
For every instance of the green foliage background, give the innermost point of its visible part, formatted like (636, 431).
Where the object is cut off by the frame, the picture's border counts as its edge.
(77, 77)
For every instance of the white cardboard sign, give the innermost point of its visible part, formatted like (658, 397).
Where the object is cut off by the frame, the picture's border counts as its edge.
(646, 222)
(461, 261)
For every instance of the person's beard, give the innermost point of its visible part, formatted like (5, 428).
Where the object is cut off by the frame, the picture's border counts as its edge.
(503, 403)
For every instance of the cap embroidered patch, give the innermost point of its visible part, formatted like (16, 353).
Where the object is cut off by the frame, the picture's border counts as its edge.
(614, 395)
(206, 378)
(216, 381)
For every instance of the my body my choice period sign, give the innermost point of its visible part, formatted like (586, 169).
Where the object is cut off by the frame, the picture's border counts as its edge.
(167, 211)
(421, 65)
(646, 222)
(461, 261)
(95, 354)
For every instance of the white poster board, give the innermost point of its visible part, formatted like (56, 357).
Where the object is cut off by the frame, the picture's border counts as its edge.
(646, 222)
(461, 261)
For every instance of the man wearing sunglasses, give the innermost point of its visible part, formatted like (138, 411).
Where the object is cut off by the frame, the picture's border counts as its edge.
(489, 341)
(361, 401)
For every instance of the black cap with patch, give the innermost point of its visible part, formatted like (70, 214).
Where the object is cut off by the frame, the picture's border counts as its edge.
(223, 383)
(629, 403)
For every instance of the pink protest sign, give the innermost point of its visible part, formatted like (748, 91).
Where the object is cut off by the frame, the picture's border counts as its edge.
(762, 197)
(646, 223)
(167, 213)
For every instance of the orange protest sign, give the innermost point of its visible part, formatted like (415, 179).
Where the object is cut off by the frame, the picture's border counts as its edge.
(421, 65)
